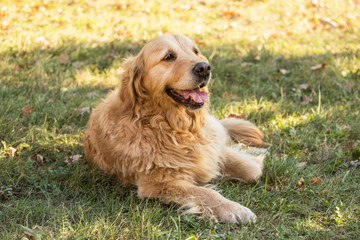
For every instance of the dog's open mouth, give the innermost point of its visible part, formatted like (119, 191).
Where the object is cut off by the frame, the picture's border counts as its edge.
(189, 98)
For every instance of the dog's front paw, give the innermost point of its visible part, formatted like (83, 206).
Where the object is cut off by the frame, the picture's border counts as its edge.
(232, 212)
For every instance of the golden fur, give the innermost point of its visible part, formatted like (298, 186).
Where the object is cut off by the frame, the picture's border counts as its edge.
(169, 151)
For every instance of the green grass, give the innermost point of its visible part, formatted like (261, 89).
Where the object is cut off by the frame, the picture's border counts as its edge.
(246, 42)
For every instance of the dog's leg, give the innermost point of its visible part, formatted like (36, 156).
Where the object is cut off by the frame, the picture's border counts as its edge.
(242, 166)
(196, 199)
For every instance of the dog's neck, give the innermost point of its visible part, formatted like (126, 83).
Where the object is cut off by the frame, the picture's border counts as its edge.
(178, 119)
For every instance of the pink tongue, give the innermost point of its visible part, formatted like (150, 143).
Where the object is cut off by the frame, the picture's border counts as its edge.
(197, 95)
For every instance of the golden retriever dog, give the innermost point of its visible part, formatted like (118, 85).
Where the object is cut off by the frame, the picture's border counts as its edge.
(154, 131)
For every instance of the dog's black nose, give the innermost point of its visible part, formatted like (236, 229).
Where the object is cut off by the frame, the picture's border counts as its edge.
(202, 69)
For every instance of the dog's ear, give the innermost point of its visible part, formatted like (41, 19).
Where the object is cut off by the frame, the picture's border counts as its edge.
(131, 78)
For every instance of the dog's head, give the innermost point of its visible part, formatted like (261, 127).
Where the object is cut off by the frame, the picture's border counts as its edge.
(168, 70)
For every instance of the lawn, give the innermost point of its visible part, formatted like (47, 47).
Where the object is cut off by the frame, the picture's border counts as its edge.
(292, 67)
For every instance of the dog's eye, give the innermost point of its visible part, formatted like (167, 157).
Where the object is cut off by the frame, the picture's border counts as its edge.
(196, 51)
(169, 57)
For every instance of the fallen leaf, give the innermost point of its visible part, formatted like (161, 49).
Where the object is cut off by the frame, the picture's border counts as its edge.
(76, 158)
(289, 32)
(200, 42)
(355, 163)
(50, 100)
(329, 22)
(84, 110)
(318, 67)
(202, 2)
(344, 127)
(11, 152)
(301, 164)
(27, 110)
(64, 58)
(230, 13)
(284, 71)
(274, 35)
(72, 159)
(305, 100)
(304, 86)
(234, 115)
(39, 158)
(316, 181)
(349, 147)
(300, 183)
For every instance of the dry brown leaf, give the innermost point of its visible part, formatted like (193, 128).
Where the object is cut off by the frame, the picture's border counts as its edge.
(202, 2)
(84, 110)
(64, 58)
(316, 180)
(73, 159)
(230, 13)
(304, 86)
(284, 71)
(76, 158)
(344, 127)
(27, 110)
(305, 100)
(200, 42)
(234, 115)
(329, 22)
(11, 152)
(50, 100)
(300, 183)
(274, 36)
(301, 164)
(349, 147)
(318, 67)
(39, 159)
(289, 32)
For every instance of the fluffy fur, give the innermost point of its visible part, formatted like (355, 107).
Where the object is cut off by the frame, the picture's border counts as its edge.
(169, 151)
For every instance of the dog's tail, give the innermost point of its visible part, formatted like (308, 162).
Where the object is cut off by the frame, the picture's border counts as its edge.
(243, 131)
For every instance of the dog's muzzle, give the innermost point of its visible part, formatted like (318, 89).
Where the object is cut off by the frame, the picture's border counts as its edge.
(202, 71)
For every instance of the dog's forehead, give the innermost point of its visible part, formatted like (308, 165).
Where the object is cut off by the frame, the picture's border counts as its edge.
(169, 42)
